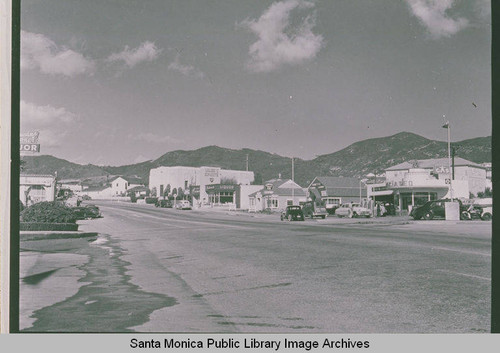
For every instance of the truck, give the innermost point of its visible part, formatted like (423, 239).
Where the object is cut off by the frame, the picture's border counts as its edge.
(315, 208)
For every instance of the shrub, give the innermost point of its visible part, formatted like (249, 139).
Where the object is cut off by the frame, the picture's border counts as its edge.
(151, 200)
(48, 212)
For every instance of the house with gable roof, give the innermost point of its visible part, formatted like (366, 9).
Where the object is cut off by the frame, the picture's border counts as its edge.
(276, 195)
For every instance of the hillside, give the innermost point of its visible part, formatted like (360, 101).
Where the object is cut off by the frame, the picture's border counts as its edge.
(358, 159)
(374, 155)
(47, 164)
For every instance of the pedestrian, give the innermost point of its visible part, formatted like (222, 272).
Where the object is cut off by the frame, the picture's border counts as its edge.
(378, 209)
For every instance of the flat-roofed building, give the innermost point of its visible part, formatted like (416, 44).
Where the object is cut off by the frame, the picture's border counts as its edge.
(206, 185)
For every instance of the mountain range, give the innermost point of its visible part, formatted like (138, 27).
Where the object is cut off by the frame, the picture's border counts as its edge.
(358, 159)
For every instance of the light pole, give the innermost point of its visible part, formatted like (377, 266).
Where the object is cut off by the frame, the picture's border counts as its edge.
(447, 127)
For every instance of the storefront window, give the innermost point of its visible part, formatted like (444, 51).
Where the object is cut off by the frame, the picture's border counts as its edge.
(405, 200)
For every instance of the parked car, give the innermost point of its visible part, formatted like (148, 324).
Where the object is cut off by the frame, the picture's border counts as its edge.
(292, 213)
(183, 205)
(164, 203)
(314, 209)
(353, 210)
(86, 212)
(487, 213)
(432, 209)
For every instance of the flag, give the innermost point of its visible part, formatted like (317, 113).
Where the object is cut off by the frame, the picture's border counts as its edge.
(446, 125)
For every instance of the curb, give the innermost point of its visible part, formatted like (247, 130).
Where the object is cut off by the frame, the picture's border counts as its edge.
(45, 235)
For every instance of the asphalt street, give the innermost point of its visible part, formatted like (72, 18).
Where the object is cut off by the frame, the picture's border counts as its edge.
(166, 270)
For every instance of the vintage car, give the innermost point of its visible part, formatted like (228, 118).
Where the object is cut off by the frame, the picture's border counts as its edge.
(487, 213)
(432, 209)
(164, 203)
(86, 212)
(292, 213)
(352, 210)
(183, 205)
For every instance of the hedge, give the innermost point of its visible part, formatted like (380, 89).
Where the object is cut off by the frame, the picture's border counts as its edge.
(150, 200)
(39, 226)
(48, 212)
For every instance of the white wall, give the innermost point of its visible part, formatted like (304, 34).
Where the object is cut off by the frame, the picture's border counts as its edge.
(245, 191)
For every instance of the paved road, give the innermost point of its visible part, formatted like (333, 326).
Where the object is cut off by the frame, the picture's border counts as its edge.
(205, 271)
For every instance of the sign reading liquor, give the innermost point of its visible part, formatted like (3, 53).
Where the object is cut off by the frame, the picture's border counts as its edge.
(29, 142)
(30, 147)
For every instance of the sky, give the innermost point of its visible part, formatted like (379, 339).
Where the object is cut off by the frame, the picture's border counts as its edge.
(119, 82)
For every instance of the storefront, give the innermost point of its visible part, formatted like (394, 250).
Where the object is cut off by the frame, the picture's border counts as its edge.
(416, 186)
(219, 194)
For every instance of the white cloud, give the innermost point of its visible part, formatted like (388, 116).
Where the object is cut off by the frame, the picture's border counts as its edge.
(281, 42)
(42, 116)
(147, 51)
(483, 7)
(186, 70)
(434, 15)
(40, 52)
(154, 138)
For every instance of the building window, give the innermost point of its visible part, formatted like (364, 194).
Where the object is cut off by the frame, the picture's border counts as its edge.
(272, 203)
(289, 202)
(332, 201)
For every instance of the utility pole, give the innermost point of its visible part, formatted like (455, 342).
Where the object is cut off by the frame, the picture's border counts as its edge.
(447, 126)
(453, 150)
(247, 163)
(293, 188)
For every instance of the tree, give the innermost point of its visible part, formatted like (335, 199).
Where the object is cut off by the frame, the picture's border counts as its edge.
(153, 192)
(228, 181)
(166, 192)
(180, 193)
(258, 179)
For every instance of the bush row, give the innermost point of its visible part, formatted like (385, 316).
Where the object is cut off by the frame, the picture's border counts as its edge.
(48, 212)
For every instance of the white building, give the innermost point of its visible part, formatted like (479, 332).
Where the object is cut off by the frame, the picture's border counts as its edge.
(36, 188)
(194, 181)
(414, 183)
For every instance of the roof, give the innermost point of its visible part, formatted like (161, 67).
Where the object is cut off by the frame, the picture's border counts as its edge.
(279, 188)
(138, 188)
(129, 179)
(337, 182)
(435, 162)
(96, 188)
(339, 186)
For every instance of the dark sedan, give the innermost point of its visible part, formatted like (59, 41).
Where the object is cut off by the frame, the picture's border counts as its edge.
(431, 209)
(292, 213)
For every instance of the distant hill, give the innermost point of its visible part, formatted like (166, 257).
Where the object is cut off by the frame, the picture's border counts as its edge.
(358, 159)
(47, 164)
(375, 155)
